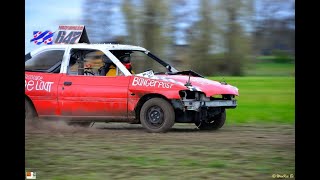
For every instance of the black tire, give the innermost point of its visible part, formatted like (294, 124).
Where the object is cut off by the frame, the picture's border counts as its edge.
(157, 115)
(80, 124)
(30, 113)
(217, 123)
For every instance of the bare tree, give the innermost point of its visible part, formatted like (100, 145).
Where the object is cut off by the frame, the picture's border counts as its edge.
(147, 25)
(274, 26)
(237, 40)
(201, 39)
(99, 19)
(132, 15)
(182, 17)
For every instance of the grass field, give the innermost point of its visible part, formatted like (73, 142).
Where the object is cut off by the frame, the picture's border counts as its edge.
(270, 69)
(263, 99)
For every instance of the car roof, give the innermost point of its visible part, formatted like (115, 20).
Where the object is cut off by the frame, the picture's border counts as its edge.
(85, 45)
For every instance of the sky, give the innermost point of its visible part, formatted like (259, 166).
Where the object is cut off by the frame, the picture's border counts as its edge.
(41, 15)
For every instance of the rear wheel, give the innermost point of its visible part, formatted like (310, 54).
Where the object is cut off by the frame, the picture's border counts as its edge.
(30, 113)
(216, 123)
(157, 115)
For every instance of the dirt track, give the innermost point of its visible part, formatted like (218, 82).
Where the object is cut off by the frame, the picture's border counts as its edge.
(122, 151)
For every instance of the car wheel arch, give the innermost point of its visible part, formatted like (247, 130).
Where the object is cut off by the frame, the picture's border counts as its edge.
(27, 98)
(144, 99)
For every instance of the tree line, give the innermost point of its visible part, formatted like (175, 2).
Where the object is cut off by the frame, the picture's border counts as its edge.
(213, 37)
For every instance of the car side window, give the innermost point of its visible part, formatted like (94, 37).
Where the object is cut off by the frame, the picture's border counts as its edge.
(91, 63)
(48, 61)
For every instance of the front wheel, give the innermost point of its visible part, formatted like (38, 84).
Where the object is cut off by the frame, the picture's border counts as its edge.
(157, 115)
(216, 123)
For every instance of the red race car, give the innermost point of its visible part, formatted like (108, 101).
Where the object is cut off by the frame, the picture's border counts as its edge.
(84, 83)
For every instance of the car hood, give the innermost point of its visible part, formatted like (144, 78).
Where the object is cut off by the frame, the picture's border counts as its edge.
(209, 87)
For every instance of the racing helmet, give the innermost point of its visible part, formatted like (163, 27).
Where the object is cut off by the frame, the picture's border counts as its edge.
(126, 58)
(126, 61)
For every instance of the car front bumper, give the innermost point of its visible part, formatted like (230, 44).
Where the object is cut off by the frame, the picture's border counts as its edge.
(196, 105)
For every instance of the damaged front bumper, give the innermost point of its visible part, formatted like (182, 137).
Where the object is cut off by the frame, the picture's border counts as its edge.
(196, 105)
(195, 101)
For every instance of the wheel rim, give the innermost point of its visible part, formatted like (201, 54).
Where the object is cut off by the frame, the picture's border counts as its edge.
(155, 116)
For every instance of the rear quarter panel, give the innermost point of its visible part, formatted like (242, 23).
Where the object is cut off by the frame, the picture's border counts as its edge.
(41, 88)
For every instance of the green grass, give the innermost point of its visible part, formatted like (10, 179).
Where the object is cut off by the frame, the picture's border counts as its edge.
(263, 99)
(271, 69)
(265, 58)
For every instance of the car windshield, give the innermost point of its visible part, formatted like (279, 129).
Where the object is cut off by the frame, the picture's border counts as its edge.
(141, 61)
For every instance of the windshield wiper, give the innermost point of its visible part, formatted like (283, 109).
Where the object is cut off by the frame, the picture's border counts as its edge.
(156, 73)
(168, 67)
(188, 72)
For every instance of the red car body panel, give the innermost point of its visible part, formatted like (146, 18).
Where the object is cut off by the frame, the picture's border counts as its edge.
(42, 89)
(209, 87)
(106, 96)
(142, 85)
(86, 96)
(93, 95)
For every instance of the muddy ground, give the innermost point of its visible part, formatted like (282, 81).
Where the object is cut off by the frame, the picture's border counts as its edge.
(126, 151)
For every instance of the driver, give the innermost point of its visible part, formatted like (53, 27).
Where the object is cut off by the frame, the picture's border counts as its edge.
(126, 61)
(109, 68)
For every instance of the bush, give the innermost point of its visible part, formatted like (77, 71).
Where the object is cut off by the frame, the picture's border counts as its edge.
(280, 56)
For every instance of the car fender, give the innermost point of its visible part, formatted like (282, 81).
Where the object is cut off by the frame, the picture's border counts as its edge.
(141, 86)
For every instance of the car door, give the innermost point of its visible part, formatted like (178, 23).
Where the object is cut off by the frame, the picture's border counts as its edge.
(83, 95)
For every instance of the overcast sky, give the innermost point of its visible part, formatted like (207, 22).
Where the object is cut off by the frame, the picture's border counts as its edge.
(44, 15)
